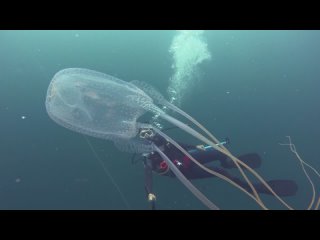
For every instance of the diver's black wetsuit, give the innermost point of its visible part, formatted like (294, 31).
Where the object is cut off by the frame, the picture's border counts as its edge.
(206, 155)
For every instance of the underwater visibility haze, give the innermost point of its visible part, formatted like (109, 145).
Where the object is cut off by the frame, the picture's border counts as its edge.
(150, 110)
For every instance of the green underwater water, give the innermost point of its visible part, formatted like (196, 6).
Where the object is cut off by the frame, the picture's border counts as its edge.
(256, 88)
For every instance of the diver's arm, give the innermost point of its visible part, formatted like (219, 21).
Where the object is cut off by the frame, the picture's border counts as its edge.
(148, 184)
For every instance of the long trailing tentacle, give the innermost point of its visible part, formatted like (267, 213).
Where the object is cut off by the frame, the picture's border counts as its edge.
(186, 182)
(213, 142)
(105, 169)
(303, 164)
(237, 162)
(209, 170)
(207, 141)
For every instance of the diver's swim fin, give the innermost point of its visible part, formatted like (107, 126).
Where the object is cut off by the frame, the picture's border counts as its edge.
(253, 160)
(282, 187)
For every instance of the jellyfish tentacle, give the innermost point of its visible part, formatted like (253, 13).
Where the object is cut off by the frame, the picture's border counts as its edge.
(303, 164)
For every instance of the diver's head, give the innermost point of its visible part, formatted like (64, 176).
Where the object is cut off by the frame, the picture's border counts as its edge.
(146, 133)
(149, 134)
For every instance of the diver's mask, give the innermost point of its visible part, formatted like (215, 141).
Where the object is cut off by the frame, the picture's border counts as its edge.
(146, 133)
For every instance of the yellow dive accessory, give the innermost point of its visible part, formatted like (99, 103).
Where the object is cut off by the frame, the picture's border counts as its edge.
(151, 197)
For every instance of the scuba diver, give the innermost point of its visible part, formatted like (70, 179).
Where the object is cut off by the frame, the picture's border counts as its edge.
(206, 155)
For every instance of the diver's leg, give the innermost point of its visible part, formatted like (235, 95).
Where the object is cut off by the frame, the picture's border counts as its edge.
(195, 172)
(281, 187)
(253, 160)
(206, 156)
